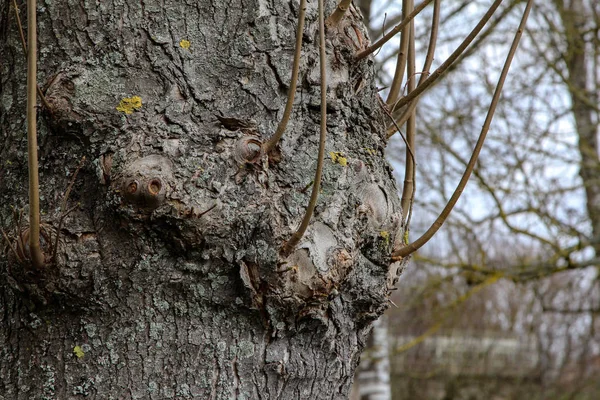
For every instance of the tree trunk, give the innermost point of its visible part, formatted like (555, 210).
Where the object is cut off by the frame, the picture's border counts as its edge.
(168, 281)
(574, 16)
(373, 374)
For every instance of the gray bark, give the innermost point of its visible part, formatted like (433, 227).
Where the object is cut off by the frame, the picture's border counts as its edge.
(168, 281)
(574, 16)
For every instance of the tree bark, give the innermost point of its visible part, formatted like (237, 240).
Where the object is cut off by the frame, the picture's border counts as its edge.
(168, 281)
(574, 15)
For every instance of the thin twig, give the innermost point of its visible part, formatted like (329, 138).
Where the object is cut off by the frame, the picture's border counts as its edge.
(393, 32)
(384, 108)
(291, 244)
(60, 222)
(18, 228)
(405, 251)
(24, 45)
(442, 68)
(71, 183)
(383, 30)
(37, 257)
(10, 244)
(271, 143)
(339, 13)
(64, 206)
(408, 190)
(407, 7)
(427, 64)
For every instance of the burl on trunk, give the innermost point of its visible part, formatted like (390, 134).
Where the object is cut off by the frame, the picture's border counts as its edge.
(168, 280)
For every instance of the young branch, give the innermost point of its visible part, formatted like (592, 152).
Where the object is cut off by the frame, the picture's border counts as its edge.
(37, 257)
(394, 31)
(407, 7)
(291, 244)
(408, 189)
(405, 251)
(446, 64)
(270, 145)
(24, 45)
(435, 23)
(339, 13)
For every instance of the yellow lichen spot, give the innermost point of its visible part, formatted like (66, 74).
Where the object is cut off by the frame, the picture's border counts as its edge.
(338, 158)
(129, 104)
(371, 151)
(184, 44)
(78, 351)
(385, 235)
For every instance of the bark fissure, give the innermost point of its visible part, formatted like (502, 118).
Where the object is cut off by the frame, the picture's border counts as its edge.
(147, 299)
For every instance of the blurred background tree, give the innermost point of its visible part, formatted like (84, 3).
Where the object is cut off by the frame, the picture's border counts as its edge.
(504, 301)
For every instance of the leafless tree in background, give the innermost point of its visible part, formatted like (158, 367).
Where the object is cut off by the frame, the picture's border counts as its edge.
(203, 250)
(529, 218)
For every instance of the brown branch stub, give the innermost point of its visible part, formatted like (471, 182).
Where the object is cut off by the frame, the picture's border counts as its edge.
(147, 182)
(339, 13)
(248, 150)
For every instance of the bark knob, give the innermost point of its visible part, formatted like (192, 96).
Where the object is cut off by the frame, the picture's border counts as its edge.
(147, 181)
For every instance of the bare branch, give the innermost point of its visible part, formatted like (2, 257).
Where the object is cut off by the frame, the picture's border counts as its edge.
(339, 13)
(37, 257)
(435, 23)
(24, 45)
(394, 31)
(407, 7)
(453, 57)
(270, 145)
(405, 251)
(291, 244)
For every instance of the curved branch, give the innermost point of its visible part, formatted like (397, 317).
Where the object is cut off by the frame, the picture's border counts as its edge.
(270, 145)
(291, 244)
(369, 50)
(405, 251)
(453, 57)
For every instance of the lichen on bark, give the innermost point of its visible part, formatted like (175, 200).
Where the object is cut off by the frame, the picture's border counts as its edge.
(184, 294)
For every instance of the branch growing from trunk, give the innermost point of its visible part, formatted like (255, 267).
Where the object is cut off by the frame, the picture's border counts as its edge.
(407, 7)
(24, 45)
(291, 244)
(37, 257)
(270, 145)
(417, 244)
(339, 13)
(408, 190)
(393, 32)
(428, 61)
(446, 64)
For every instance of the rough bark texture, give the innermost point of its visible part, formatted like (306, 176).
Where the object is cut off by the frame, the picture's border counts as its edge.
(168, 281)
